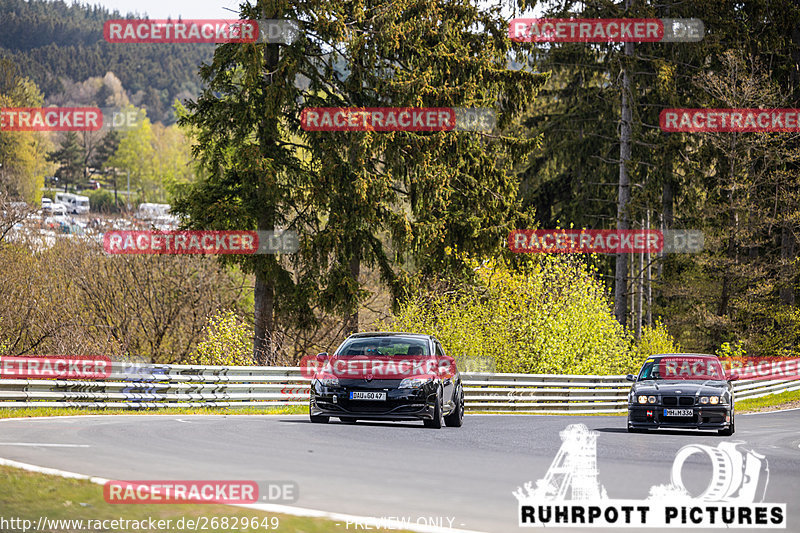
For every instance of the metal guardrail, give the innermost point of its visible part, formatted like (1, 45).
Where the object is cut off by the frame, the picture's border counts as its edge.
(155, 385)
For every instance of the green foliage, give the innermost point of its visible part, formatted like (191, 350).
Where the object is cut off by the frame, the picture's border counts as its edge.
(102, 201)
(136, 154)
(547, 316)
(69, 158)
(656, 340)
(227, 341)
(731, 350)
(22, 154)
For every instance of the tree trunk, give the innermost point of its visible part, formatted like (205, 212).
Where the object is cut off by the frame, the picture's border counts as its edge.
(787, 269)
(639, 296)
(624, 194)
(264, 319)
(351, 322)
(264, 294)
(668, 194)
(733, 222)
(649, 282)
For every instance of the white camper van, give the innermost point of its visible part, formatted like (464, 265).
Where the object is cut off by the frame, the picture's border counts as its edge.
(75, 203)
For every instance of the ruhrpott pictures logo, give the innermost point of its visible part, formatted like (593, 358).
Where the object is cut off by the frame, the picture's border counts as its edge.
(571, 495)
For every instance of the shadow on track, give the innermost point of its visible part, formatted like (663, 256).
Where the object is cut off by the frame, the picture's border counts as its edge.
(372, 423)
(685, 432)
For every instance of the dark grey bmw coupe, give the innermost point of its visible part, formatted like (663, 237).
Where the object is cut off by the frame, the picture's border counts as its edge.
(688, 391)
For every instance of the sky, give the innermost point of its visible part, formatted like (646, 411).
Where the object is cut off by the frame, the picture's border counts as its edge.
(161, 9)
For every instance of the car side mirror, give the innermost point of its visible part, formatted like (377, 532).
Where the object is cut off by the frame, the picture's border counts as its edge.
(630, 377)
(322, 357)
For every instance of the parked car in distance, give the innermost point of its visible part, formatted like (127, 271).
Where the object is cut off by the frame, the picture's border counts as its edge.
(57, 209)
(150, 211)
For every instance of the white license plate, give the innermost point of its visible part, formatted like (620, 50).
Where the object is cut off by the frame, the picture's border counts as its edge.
(678, 412)
(375, 396)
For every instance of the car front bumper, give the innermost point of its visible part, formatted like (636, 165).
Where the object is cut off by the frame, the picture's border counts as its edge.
(400, 404)
(653, 417)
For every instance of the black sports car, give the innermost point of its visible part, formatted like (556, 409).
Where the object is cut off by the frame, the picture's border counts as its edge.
(681, 391)
(388, 376)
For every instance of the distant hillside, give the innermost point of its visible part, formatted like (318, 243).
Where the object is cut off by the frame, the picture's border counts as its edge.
(56, 44)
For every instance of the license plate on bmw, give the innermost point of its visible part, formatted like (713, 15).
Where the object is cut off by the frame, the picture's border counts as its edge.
(363, 395)
(679, 412)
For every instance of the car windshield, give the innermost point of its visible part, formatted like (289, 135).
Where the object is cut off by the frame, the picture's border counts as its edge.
(385, 346)
(689, 368)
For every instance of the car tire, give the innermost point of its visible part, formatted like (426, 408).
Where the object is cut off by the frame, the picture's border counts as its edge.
(456, 418)
(317, 419)
(438, 420)
(727, 432)
(347, 420)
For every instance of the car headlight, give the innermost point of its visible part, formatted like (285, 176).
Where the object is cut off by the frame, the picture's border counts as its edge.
(329, 382)
(714, 400)
(413, 383)
(704, 399)
(651, 399)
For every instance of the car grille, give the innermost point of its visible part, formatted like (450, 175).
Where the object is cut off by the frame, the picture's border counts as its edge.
(678, 400)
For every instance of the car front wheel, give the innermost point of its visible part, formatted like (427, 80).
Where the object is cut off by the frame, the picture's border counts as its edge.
(727, 432)
(456, 418)
(317, 419)
(437, 421)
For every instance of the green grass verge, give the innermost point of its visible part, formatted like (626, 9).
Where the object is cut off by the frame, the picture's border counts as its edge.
(784, 400)
(29, 496)
(25, 412)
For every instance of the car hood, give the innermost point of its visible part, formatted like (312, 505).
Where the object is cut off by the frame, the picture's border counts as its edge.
(686, 388)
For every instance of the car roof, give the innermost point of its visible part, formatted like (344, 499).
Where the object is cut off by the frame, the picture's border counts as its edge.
(694, 355)
(388, 334)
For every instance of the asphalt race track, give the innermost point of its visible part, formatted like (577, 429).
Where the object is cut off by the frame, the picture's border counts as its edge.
(393, 469)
